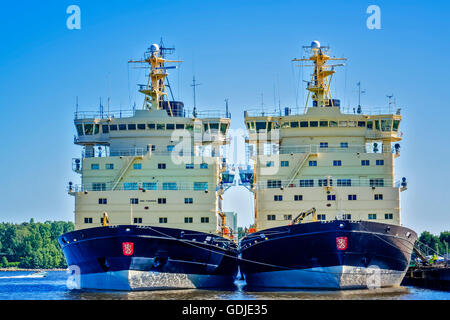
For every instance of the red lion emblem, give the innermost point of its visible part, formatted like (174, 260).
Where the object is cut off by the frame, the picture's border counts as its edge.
(127, 248)
(341, 243)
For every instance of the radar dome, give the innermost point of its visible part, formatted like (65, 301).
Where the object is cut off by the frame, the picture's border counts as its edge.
(154, 47)
(315, 44)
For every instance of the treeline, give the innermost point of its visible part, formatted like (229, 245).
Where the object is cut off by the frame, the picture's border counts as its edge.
(437, 243)
(32, 245)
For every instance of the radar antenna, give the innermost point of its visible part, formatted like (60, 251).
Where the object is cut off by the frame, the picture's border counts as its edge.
(319, 85)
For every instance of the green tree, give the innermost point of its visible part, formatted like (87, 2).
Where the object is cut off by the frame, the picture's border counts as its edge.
(4, 262)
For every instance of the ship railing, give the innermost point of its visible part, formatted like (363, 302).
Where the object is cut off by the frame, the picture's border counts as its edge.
(274, 112)
(127, 152)
(142, 186)
(299, 149)
(328, 182)
(80, 115)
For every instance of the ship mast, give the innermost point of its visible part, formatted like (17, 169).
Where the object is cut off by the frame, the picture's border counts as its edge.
(321, 77)
(155, 89)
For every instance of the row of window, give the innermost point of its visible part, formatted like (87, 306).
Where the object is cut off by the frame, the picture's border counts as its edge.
(376, 182)
(161, 220)
(330, 197)
(136, 201)
(138, 166)
(383, 124)
(336, 163)
(91, 128)
(197, 186)
(371, 216)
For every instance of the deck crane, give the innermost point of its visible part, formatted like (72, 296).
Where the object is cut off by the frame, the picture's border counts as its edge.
(299, 218)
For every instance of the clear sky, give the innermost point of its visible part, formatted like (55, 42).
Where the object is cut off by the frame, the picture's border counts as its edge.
(237, 50)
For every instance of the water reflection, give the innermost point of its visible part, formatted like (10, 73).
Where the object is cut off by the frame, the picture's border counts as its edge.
(242, 292)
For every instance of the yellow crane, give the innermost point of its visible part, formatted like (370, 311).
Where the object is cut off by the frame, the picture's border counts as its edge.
(299, 218)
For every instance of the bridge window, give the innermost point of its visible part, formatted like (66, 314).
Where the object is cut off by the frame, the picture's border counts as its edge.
(352, 123)
(333, 124)
(369, 125)
(162, 220)
(188, 219)
(132, 126)
(170, 126)
(88, 129)
(204, 219)
(261, 126)
(160, 126)
(179, 126)
(122, 127)
(105, 128)
(170, 148)
(151, 126)
(294, 124)
(95, 166)
(141, 126)
(377, 124)
(109, 166)
(323, 123)
(324, 144)
(343, 124)
(113, 127)
(386, 125)
(80, 130)
(372, 216)
(277, 198)
(395, 125)
(313, 123)
(223, 128)
(189, 166)
(380, 162)
(361, 124)
(303, 124)
(388, 216)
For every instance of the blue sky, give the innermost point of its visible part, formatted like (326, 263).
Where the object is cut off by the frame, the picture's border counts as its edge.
(237, 50)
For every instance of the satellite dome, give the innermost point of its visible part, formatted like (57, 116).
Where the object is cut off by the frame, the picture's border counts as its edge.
(154, 47)
(315, 44)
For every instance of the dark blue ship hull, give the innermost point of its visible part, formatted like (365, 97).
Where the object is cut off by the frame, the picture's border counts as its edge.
(146, 258)
(338, 254)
